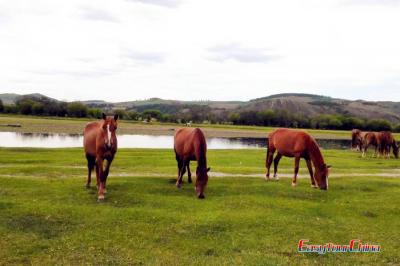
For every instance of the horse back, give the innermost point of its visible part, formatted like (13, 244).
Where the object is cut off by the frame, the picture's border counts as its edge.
(290, 142)
(190, 143)
(386, 138)
(372, 138)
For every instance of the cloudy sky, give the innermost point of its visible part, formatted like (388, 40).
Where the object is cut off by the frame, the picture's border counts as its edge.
(200, 49)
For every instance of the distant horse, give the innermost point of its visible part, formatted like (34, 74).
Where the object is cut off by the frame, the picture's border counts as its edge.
(357, 139)
(190, 145)
(297, 144)
(387, 142)
(371, 139)
(100, 144)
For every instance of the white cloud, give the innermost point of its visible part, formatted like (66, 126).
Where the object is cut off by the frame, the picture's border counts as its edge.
(144, 57)
(163, 3)
(234, 51)
(372, 2)
(91, 13)
(190, 49)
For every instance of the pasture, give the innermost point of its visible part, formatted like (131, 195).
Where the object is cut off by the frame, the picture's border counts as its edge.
(47, 216)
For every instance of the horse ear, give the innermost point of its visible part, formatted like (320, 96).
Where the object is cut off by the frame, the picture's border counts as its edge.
(208, 169)
(116, 117)
(103, 115)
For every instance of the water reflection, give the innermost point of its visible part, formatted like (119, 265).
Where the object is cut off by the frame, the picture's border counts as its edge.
(35, 140)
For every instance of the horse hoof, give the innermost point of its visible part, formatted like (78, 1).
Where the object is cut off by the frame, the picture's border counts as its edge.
(100, 198)
(276, 178)
(178, 185)
(294, 184)
(267, 178)
(314, 186)
(87, 186)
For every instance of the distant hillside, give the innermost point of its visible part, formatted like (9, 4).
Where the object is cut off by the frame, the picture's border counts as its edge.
(9, 98)
(308, 105)
(12, 98)
(312, 105)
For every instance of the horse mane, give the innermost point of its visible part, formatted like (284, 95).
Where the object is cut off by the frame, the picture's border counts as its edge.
(200, 148)
(315, 154)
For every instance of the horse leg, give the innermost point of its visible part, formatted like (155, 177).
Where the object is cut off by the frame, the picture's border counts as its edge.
(296, 170)
(189, 173)
(310, 170)
(268, 161)
(276, 163)
(365, 150)
(100, 171)
(181, 174)
(106, 172)
(179, 163)
(97, 176)
(91, 163)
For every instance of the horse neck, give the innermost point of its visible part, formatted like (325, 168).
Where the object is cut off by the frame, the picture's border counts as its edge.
(316, 155)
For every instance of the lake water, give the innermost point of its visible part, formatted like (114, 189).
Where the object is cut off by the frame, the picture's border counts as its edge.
(12, 139)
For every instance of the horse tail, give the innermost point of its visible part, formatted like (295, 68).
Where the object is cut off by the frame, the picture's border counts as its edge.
(176, 154)
(268, 149)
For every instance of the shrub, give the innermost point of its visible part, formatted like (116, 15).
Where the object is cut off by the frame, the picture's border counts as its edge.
(77, 109)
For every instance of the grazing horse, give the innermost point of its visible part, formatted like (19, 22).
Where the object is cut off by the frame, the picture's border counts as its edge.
(356, 139)
(100, 143)
(297, 144)
(190, 145)
(371, 138)
(387, 142)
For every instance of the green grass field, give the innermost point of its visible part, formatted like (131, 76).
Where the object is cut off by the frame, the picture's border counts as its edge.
(48, 217)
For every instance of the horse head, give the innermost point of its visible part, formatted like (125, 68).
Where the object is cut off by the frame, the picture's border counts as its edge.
(321, 176)
(201, 181)
(109, 127)
(356, 139)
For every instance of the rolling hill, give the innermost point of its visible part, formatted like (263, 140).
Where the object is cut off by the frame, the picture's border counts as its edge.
(306, 104)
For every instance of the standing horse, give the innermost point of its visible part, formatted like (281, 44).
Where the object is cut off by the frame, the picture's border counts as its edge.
(356, 139)
(190, 145)
(387, 142)
(100, 144)
(297, 144)
(371, 138)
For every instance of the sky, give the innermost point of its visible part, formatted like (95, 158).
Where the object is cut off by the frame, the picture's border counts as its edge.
(124, 50)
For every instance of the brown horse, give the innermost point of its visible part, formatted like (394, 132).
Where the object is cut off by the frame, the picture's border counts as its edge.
(356, 139)
(371, 138)
(100, 144)
(297, 144)
(190, 145)
(387, 142)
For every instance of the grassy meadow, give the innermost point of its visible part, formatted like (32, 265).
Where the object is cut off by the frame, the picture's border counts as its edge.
(47, 216)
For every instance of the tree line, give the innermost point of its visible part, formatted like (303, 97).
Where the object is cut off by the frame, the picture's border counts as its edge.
(198, 114)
